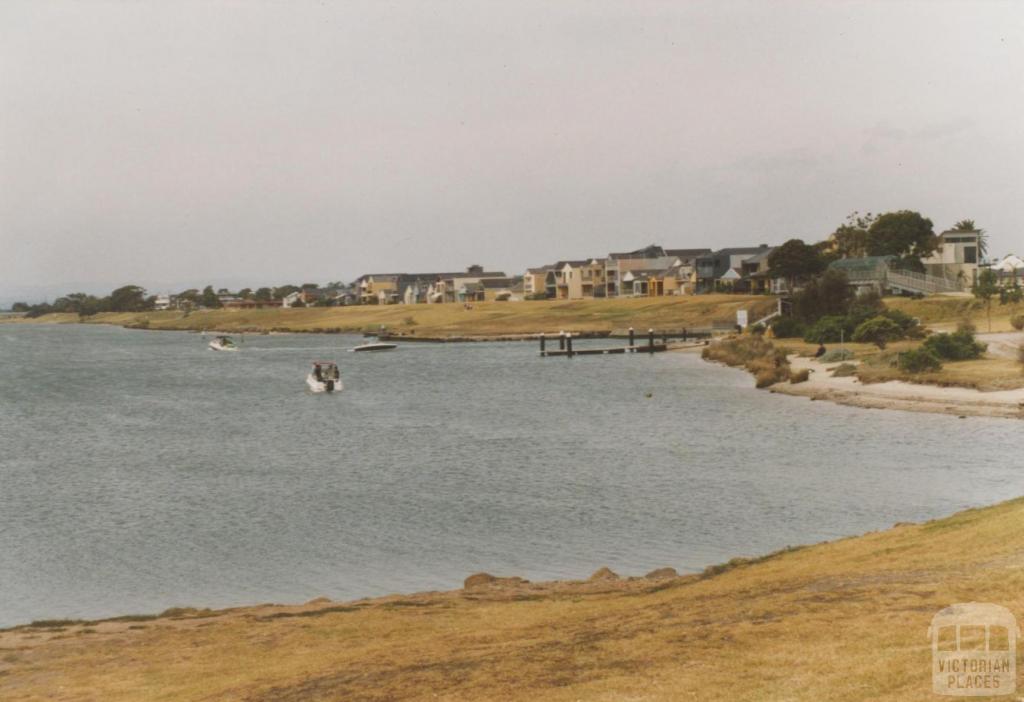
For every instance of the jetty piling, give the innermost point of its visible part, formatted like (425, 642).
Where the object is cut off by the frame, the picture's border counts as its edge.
(565, 346)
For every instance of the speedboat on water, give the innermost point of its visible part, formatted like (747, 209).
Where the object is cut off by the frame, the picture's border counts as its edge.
(379, 346)
(324, 377)
(223, 343)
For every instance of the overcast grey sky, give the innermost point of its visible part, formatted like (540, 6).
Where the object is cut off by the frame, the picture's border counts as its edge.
(266, 142)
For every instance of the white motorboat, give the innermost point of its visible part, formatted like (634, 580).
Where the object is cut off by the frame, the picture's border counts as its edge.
(379, 346)
(223, 343)
(324, 377)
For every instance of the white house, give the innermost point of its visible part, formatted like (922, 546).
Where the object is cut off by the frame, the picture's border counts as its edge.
(956, 257)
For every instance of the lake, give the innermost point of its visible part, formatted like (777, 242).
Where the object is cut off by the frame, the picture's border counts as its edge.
(140, 470)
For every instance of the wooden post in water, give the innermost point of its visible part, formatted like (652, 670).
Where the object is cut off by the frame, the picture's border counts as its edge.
(541, 344)
(650, 341)
(568, 345)
(631, 339)
(561, 341)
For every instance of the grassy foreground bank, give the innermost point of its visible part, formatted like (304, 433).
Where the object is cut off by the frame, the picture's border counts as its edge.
(845, 620)
(453, 320)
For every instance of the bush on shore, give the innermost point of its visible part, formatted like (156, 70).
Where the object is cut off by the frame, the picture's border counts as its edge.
(844, 370)
(787, 328)
(879, 331)
(920, 360)
(1017, 321)
(754, 353)
(801, 376)
(836, 355)
(958, 346)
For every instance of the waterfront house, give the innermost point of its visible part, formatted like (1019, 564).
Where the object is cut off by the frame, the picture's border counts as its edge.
(955, 258)
(713, 269)
(300, 298)
(165, 302)
(534, 282)
(580, 279)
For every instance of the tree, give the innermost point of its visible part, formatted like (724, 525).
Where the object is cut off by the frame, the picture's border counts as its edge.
(129, 298)
(310, 286)
(285, 290)
(850, 240)
(877, 330)
(984, 289)
(967, 225)
(795, 261)
(905, 234)
(245, 293)
(209, 298)
(826, 294)
(264, 294)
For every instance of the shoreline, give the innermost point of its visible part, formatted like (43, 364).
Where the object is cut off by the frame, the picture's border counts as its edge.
(900, 395)
(603, 638)
(821, 386)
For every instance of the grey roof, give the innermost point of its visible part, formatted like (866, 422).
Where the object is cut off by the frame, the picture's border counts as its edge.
(866, 263)
(687, 253)
(738, 250)
(757, 258)
(651, 251)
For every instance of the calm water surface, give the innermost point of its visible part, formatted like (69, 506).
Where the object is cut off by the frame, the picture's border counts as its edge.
(140, 471)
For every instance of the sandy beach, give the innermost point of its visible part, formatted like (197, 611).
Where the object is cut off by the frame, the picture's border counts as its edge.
(900, 395)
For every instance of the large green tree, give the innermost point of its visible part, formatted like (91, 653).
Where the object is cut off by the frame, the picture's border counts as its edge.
(905, 234)
(850, 239)
(129, 298)
(209, 298)
(795, 261)
(827, 294)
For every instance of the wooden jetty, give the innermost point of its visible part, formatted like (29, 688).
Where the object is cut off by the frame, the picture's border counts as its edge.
(566, 350)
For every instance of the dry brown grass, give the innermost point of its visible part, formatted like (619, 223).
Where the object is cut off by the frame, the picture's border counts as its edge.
(753, 352)
(943, 312)
(984, 374)
(485, 319)
(841, 621)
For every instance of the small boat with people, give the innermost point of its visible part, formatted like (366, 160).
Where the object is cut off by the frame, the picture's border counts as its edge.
(223, 343)
(324, 377)
(375, 346)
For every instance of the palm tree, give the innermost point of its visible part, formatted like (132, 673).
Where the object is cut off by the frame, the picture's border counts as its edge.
(967, 225)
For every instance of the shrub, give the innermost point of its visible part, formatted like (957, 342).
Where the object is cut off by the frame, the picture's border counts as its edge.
(787, 328)
(966, 325)
(757, 329)
(877, 330)
(919, 361)
(958, 346)
(1017, 321)
(753, 352)
(844, 370)
(801, 376)
(836, 355)
(828, 329)
(903, 320)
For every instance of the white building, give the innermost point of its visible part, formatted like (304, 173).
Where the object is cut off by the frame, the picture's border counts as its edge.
(956, 258)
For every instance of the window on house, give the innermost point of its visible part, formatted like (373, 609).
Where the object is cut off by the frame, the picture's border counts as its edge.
(970, 254)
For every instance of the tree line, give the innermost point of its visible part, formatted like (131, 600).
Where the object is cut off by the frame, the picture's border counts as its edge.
(134, 298)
